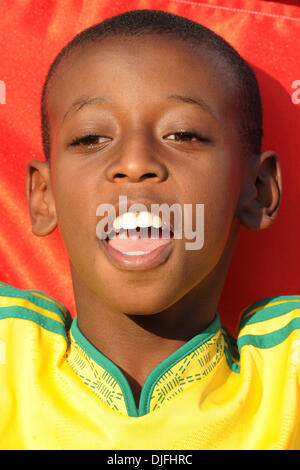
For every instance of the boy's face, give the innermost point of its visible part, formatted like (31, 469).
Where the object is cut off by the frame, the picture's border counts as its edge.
(141, 94)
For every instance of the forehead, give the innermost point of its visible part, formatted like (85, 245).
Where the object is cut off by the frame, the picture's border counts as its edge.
(139, 70)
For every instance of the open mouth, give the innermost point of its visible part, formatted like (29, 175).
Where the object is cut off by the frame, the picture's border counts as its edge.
(138, 241)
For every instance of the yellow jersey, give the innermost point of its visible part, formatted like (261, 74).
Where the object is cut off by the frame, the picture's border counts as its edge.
(57, 391)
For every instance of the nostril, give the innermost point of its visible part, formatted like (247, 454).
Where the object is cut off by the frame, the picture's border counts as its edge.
(120, 175)
(135, 177)
(148, 175)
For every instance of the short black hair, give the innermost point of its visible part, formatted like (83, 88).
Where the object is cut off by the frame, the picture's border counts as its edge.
(143, 22)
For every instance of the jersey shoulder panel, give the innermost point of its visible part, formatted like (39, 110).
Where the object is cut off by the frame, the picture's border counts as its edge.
(269, 322)
(34, 306)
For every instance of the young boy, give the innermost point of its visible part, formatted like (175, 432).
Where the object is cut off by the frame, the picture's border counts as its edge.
(157, 109)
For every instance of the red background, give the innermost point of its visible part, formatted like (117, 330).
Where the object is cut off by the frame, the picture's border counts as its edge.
(31, 34)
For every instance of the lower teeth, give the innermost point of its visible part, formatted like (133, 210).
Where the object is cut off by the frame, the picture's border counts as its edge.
(136, 253)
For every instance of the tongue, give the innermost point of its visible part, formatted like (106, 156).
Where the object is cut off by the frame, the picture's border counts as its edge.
(139, 244)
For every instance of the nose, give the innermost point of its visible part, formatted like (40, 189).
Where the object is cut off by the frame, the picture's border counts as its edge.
(136, 162)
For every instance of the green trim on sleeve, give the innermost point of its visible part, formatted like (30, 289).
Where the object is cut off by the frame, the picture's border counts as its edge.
(267, 313)
(268, 300)
(264, 311)
(10, 291)
(27, 314)
(269, 340)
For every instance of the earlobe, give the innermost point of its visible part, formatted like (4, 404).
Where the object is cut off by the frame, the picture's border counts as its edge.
(260, 198)
(40, 198)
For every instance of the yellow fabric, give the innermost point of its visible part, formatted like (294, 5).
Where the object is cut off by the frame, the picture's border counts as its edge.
(225, 394)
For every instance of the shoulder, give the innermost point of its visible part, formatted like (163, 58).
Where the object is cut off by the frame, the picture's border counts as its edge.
(270, 322)
(34, 307)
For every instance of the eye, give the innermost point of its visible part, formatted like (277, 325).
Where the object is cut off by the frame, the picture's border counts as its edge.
(89, 141)
(185, 136)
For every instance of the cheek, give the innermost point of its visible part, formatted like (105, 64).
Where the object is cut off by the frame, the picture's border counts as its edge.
(76, 211)
(217, 188)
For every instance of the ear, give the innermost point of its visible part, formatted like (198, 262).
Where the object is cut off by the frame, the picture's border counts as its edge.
(40, 198)
(261, 195)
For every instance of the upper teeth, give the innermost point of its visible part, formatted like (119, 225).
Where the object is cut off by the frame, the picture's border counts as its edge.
(131, 220)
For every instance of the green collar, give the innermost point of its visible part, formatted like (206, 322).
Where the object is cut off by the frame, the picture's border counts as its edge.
(191, 362)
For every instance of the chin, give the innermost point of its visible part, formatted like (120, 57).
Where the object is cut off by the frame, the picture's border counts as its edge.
(142, 308)
(141, 303)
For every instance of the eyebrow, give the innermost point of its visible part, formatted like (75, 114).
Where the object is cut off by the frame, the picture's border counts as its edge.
(83, 101)
(198, 101)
